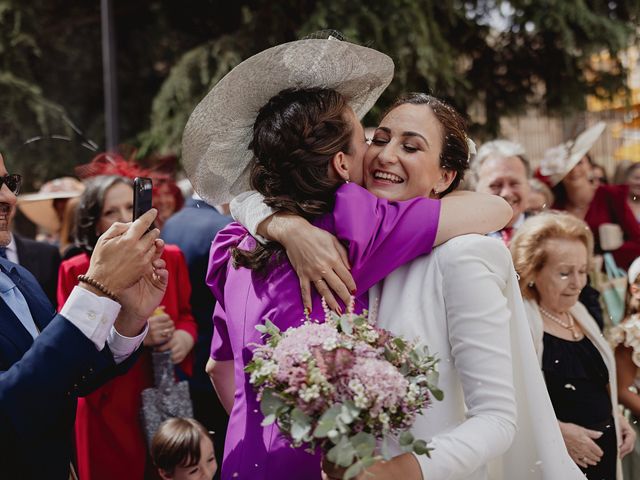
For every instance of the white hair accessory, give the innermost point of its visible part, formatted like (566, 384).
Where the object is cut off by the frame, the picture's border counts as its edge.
(471, 145)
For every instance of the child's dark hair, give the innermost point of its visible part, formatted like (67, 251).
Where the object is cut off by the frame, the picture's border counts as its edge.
(176, 443)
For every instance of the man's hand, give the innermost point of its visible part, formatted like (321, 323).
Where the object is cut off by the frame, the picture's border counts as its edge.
(124, 253)
(141, 299)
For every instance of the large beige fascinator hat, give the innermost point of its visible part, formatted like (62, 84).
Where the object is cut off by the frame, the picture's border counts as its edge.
(39, 207)
(215, 144)
(559, 161)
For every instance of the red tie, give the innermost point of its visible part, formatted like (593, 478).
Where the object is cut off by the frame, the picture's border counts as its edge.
(506, 233)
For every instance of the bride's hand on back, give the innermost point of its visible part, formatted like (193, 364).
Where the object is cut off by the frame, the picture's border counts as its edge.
(316, 256)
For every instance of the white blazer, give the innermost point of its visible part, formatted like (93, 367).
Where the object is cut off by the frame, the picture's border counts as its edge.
(593, 333)
(463, 301)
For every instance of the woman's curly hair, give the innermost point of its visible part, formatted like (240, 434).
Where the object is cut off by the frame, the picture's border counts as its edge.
(295, 136)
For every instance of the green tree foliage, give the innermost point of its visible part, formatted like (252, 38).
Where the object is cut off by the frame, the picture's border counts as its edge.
(488, 57)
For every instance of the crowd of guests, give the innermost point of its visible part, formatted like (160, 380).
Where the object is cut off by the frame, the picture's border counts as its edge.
(587, 378)
(553, 237)
(390, 201)
(109, 438)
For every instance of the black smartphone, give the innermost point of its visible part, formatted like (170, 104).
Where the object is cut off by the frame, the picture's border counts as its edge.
(142, 188)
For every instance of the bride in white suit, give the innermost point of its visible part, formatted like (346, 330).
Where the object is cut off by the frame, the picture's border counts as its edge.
(496, 420)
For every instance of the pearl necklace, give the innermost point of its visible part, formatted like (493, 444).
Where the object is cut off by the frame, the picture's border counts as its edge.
(569, 326)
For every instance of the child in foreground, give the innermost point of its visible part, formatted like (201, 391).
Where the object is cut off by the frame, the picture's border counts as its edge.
(182, 450)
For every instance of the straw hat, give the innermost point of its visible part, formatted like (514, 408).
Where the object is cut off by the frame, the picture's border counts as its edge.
(215, 145)
(38, 207)
(559, 161)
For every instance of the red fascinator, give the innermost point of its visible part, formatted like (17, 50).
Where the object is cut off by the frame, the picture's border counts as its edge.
(109, 163)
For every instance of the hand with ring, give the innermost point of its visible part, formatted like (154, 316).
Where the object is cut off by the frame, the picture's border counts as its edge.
(581, 444)
(161, 328)
(314, 254)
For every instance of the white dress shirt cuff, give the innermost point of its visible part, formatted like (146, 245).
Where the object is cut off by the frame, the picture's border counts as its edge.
(249, 209)
(121, 347)
(94, 316)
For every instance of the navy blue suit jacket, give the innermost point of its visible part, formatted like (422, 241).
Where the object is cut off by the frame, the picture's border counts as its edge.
(40, 381)
(193, 229)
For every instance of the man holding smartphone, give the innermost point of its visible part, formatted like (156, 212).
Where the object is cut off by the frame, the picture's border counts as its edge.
(47, 360)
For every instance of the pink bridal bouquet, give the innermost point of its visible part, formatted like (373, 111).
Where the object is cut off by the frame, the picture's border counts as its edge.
(344, 386)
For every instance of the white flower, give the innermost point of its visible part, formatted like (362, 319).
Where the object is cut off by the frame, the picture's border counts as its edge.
(356, 387)
(330, 344)
(370, 336)
(384, 418)
(413, 392)
(309, 393)
(316, 376)
(267, 369)
(361, 401)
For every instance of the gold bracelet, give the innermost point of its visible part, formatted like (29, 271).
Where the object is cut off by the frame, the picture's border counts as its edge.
(98, 286)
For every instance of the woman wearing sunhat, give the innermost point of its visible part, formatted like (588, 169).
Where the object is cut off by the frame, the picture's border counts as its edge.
(567, 170)
(282, 143)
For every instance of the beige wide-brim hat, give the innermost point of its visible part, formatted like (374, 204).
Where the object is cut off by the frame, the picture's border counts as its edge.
(215, 144)
(38, 207)
(560, 160)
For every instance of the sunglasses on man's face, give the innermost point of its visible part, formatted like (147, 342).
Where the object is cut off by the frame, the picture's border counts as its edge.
(13, 182)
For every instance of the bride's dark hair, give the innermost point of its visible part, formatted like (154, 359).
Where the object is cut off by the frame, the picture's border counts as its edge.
(295, 136)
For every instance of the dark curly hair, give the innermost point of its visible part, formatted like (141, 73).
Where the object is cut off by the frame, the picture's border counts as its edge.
(455, 149)
(295, 136)
(90, 208)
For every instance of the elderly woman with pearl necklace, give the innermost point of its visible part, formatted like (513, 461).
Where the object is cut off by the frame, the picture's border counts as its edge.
(552, 254)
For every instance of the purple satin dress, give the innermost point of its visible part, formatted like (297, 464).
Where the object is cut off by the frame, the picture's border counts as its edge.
(380, 236)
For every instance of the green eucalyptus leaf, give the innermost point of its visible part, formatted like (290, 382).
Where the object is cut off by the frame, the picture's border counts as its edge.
(270, 403)
(271, 328)
(364, 444)
(268, 420)
(327, 422)
(353, 470)
(437, 393)
(334, 454)
(346, 325)
(400, 343)
(346, 455)
(300, 425)
(420, 447)
(349, 412)
(406, 438)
